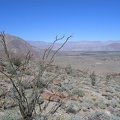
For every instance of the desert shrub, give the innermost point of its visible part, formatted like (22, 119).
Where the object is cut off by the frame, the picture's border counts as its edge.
(93, 78)
(114, 118)
(76, 117)
(28, 72)
(59, 118)
(27, 84)
(73, 117)
(72, 107)
(2, 63)
(17, 61)
(78, 92)
(11, 115)
(68, 70)
(107, 79)
(98, 115)
(87, 104)
(41, 84)
(20, 74)
(42, 117)
(85, 73)
(10, 70)
(114, 103)
(60, 89)
(69, 86)
(117, 112)
(102, 105)
(9, 103)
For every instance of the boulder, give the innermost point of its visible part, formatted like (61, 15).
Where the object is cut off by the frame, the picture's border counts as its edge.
(50, 97)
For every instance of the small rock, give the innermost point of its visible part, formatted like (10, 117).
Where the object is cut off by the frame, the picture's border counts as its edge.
(55, 92)
(109, 98)
(66, 81)
(106, 94)
(111, 109)
(84, 109)
(50, 97)
(56, 82)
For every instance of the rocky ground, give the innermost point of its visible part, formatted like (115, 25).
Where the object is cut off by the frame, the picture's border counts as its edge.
(72, 95)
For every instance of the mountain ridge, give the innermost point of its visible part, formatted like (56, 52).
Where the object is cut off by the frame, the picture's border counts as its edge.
(18, 46)
(81, 45)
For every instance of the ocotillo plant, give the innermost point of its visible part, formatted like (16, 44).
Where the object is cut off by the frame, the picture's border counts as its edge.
(27, 105)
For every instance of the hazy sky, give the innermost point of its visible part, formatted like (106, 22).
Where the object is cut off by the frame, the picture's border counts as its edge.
(44, 19)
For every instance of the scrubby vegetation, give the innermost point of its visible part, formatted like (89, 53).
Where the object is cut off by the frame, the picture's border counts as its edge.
(41, 90)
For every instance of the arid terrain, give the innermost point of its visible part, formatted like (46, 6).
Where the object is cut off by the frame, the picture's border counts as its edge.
(100, 62)
(76, 86)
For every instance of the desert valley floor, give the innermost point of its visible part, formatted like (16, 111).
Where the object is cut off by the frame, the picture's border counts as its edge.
(101, 62)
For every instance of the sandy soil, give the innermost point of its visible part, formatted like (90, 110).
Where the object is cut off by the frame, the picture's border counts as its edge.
(100, 63)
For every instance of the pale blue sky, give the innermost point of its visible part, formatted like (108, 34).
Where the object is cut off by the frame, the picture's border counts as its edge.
(42, 20)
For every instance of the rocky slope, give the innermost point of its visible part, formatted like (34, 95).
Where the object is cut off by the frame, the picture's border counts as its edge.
(77, 94)
(18, 46)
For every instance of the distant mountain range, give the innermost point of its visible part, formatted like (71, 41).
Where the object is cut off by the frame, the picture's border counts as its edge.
(81, 45)
(18, 46)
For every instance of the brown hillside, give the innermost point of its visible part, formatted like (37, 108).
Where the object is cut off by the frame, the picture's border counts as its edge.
(18, 46)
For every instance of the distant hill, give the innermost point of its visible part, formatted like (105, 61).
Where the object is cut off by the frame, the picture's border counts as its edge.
(40, 44)
(112, 47)
(18, 46)
(82, 45)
